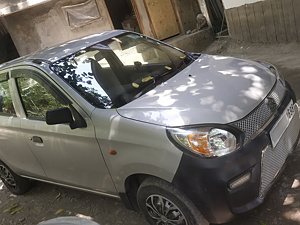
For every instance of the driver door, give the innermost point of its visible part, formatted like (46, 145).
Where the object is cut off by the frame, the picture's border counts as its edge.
(68, 156)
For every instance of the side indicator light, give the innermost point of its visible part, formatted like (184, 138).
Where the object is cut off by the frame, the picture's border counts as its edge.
(112, 152)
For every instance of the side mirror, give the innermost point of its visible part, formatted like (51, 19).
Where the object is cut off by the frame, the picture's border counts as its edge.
(64, 115)
(59, 116)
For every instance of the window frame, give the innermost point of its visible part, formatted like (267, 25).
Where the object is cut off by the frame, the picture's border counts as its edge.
(35, 74)
(5, 78)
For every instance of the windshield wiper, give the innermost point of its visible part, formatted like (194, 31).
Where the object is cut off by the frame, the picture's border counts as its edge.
(163, 73)
(155, 78)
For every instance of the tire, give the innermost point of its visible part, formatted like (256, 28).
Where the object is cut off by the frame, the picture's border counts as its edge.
(16, 184)
(164, 204)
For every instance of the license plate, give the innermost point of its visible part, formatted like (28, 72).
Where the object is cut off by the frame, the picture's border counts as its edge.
(283, 122)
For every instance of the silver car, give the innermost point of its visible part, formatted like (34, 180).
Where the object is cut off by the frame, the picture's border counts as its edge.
(185, 138)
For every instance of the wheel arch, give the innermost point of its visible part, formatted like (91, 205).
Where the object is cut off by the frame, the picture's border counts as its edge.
(131, 186)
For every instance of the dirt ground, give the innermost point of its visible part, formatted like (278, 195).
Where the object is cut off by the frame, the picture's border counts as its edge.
(281, 207)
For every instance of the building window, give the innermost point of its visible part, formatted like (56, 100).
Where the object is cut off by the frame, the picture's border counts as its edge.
(82, 14)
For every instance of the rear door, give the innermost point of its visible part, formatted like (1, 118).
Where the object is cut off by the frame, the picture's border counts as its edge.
(70, 157)
(13, 151)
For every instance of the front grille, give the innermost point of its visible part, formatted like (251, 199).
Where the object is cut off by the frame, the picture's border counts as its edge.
(253, 122)
(278, 93)
(273, 159)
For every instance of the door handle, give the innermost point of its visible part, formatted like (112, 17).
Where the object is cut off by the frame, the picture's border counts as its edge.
(36, 139)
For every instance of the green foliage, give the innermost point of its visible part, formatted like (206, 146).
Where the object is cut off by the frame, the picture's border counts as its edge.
(6, 105)
(36, 99)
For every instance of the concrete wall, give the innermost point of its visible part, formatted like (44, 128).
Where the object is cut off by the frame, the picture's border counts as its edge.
(269, 21)
(45, 25)
(195, 42)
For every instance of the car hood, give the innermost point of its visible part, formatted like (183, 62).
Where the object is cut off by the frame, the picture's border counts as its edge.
(213, 89)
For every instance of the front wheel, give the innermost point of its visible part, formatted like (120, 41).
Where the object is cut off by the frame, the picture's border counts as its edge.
(164, 204)
(16, 184)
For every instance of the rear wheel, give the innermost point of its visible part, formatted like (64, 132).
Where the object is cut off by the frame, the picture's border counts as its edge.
(164, 204)
(16, 184)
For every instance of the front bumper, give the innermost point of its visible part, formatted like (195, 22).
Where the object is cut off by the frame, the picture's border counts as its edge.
(206, 181)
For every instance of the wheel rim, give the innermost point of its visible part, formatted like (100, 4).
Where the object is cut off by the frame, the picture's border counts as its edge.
(7, 177)
(164, 212)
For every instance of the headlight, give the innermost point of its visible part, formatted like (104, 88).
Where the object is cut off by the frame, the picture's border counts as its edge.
(206, 142)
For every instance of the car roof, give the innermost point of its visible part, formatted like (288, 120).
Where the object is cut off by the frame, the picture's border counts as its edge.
(55, 53)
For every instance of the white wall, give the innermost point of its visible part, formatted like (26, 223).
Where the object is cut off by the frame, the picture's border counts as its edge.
(10, 6)
(228, 4)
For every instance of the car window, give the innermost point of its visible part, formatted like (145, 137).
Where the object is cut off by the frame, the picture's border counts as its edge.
(114, 72)
(37, 95)
(6, 104)
(131, 50)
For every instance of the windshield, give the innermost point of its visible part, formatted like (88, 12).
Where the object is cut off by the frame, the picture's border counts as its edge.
(114, 72)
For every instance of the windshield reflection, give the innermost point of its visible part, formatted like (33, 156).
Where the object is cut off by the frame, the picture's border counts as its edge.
(116, 71)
